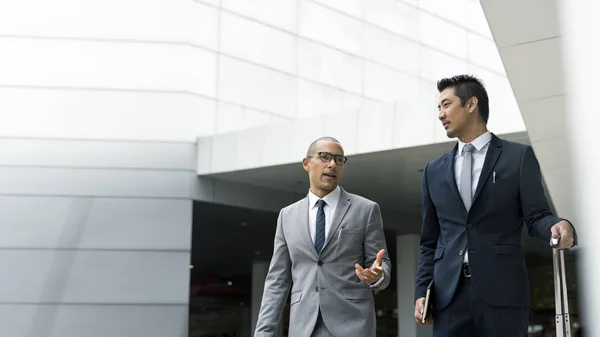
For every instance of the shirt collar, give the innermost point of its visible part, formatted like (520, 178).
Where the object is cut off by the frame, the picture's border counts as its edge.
(331, 198)
(478, 142)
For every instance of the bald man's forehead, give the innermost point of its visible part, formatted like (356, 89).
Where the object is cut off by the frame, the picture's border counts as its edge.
(329, 146)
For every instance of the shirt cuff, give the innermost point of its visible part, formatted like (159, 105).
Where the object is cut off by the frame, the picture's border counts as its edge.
(377, 284)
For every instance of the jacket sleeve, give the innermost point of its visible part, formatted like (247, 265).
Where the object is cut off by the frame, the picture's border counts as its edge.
(374, 242)
(430, 232)
(534, 206)
(277, 286)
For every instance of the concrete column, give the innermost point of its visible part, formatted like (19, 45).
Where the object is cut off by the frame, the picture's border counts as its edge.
(580, 27)
(246, 322)
(407, 258)
(259, 273)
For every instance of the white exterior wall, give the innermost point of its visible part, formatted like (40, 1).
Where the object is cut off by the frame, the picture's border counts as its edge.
(95, 237)
(351, 69)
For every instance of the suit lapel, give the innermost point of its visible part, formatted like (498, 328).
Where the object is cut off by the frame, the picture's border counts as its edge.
(304, 226)
(340, 212)
(450, 174)
(491, 158)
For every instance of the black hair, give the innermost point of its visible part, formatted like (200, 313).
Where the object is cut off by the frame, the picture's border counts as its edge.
(465, 87)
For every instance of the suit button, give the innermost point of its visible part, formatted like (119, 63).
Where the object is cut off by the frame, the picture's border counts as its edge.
(461, 252)
(317, 289)
(320, 263)
(469, 226)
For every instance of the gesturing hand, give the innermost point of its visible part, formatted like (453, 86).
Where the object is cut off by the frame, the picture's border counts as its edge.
(373, 274)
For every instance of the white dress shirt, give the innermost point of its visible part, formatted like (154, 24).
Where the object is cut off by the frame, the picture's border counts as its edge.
(481, 144)
(331, 201)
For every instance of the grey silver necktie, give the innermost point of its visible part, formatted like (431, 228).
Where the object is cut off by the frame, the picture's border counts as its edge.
(466, 178)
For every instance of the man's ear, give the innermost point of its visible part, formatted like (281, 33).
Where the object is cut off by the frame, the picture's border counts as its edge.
(305, 164)
(472, 104)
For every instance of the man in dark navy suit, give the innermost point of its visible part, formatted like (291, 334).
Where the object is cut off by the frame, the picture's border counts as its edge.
(476, 199)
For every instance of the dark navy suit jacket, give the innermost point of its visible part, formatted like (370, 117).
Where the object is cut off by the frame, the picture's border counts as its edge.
(492, 228)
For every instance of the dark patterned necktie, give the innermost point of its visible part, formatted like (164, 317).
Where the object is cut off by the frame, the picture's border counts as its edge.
(320, 231)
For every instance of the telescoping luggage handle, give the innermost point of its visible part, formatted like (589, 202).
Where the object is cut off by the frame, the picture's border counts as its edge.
(563, 322)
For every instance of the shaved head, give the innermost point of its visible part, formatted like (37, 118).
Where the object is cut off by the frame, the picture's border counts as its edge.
(313, 145)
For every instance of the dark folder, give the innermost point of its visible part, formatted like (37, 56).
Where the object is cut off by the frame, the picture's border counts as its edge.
(428, 309)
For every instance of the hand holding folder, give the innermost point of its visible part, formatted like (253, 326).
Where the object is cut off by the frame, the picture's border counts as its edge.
(428, 307)
(424, 307)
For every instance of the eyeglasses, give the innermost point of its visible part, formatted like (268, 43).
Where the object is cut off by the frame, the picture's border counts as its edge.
(326, 157)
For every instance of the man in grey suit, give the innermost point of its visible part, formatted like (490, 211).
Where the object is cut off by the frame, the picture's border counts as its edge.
(330, 250)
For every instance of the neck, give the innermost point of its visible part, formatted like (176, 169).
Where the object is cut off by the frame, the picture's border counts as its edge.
(320, 193)
(473, 133)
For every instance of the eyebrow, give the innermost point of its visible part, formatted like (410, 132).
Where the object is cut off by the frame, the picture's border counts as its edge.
(443, 101)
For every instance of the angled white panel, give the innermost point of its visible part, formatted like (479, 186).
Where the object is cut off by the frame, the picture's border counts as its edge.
(111, 65)
(545, 118)
(97, 154)
(512, 21)
(79, 276)
(534, 69)
(95, 182)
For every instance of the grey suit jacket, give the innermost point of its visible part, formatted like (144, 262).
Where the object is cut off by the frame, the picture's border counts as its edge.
(325, 281)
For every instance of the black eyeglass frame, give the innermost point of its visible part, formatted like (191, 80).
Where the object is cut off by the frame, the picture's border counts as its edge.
(327, 156)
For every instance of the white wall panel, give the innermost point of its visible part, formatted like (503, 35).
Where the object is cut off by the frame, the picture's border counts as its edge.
(97, 154)
(330, 27)
(389, 85)
(442, 35)
(256, 87)
(330, 66)
(349, 7)
(454, 11)
(95, 182)
(436, 65)
(94, 320)
(95, 223)
(484, 52)
(156, 20)
(80, 276)
(317, 99)
(256, 42)
(396, 16)
(278, 13)
(111, 65)
(392, 50)
(99, 114)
